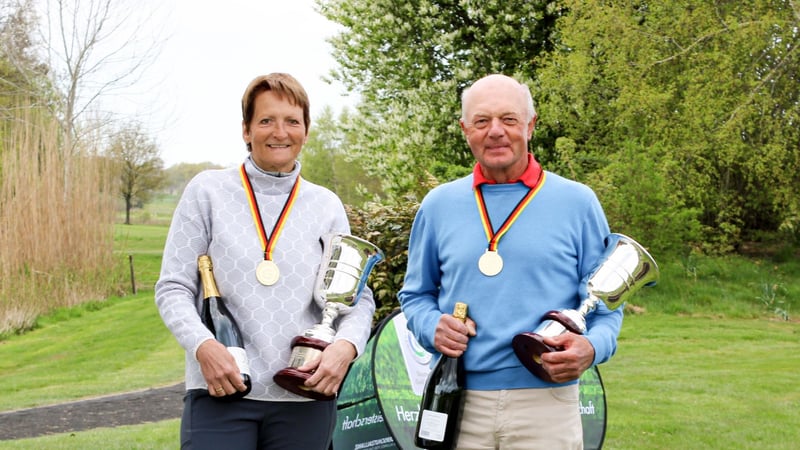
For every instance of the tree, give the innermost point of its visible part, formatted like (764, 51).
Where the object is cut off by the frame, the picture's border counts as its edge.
(682, 116)
(93, 48)
(23, 76)
(327, 159)
(700, 96)
(179, 175)
(139, 166)
(410, 61)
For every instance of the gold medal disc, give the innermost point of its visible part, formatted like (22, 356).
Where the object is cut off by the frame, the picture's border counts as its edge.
(490, 263)
(267, 272)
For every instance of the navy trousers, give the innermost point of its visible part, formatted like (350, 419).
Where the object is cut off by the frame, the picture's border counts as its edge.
(209, 423)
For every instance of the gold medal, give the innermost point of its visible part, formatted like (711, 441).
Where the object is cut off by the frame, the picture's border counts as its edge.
(490, 263)
(267, 272)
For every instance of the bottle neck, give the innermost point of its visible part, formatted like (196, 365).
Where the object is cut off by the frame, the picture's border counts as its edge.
(207, 279)
(460, 311)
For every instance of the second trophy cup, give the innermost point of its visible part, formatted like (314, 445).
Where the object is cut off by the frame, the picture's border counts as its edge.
(622, 270)
(346, 264)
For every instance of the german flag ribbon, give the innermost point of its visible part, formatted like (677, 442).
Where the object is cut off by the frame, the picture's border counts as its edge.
(494, 236)
(268, 242)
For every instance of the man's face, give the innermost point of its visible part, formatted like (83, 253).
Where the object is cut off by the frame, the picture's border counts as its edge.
(497, 128)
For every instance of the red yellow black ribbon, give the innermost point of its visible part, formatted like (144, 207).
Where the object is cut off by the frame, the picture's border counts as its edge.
(268, 242)
(492, 236)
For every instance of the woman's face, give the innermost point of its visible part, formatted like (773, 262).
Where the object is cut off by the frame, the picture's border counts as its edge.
(276, 133)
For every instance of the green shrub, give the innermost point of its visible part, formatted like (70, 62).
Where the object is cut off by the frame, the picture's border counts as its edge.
(388, 226)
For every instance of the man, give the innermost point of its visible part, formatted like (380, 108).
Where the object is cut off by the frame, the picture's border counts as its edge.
(512, 241)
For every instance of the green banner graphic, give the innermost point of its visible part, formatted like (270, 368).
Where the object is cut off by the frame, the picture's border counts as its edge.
(378, 405)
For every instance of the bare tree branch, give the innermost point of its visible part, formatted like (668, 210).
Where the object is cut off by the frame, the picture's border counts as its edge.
(95, 47)
(698, 41)
(772, 74)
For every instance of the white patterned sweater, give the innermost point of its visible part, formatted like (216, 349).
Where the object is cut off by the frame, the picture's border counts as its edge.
(213, 216)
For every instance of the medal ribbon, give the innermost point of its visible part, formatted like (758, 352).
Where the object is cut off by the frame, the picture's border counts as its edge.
(492, 236)
(268, 242)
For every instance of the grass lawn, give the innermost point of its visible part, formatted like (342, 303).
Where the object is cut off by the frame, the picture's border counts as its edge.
(704, 383)
(100, 348)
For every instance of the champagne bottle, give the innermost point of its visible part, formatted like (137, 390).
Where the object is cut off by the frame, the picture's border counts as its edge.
(442, 399)
(218, 319)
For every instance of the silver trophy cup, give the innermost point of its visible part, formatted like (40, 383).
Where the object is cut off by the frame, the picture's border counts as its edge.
(623, 269)
(346, 264)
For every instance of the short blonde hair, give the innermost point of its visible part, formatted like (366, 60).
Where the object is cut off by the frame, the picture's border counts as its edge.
(282, 84)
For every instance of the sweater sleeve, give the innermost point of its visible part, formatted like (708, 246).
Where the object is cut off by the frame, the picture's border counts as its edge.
(355, 326)
(602, 325)
(177, 289)
(419, 294)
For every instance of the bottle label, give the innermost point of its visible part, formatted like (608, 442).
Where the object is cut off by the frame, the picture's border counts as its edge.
(432, 425)
(241, 359)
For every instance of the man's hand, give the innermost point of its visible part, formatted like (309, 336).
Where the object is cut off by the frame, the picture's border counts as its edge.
(452, 335)
(576, 354)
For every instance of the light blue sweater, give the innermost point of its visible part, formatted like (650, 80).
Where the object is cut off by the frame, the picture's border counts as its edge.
(552, 246)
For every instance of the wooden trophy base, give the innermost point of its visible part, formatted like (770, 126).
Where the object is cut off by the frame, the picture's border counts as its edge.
(294, 380)
(529, 346)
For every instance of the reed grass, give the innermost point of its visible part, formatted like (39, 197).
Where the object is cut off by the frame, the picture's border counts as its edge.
(56, 217)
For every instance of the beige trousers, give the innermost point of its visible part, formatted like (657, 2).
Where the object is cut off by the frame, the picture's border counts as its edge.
(523, 419)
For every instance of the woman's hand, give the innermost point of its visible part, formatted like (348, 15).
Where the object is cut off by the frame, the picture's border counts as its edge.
(219, 369)
(330, 368)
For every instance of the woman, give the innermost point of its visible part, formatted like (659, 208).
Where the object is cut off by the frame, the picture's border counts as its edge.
(261, 214)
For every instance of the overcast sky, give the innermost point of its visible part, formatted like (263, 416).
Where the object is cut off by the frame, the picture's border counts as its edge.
(190, 98)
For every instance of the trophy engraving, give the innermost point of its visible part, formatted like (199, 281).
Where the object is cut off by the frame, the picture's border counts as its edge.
(346, 264)
(623, 269)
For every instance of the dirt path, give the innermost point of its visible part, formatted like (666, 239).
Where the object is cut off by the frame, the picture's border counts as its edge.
(151, 405)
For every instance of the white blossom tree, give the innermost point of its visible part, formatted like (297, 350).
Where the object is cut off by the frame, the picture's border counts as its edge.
(409, 62)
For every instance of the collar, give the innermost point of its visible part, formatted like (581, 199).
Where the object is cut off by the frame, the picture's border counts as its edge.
(269, 183)
(295, 170)
(531, 177)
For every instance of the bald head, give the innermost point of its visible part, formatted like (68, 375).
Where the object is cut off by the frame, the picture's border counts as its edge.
(498, 83)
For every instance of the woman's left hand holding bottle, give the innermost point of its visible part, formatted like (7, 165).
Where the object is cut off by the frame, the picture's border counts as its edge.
(219, 369)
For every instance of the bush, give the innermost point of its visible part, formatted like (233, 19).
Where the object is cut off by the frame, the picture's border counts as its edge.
(388, 226)
(640, 201)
